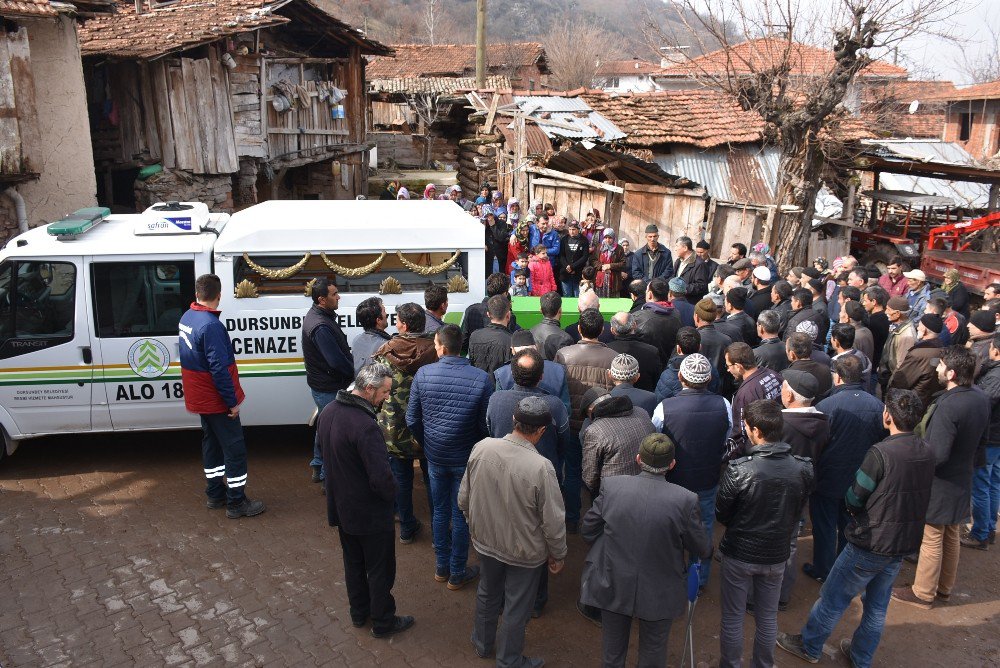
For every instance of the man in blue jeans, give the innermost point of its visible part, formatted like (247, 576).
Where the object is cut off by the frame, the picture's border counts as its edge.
(698, 422)
(328, 361)
(888, 507)
(986, 478)
(447, 415)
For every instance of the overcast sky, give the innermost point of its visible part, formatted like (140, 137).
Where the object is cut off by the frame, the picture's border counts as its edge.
(970, 27)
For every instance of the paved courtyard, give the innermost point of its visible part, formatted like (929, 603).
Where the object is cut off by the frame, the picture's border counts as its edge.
(109, 557)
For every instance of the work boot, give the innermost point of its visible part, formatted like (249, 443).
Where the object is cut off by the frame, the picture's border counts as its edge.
(246, 509)
(214, 504)
(399, 624)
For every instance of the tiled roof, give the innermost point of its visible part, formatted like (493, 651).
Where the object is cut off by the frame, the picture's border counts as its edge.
(433, 85)
(701, 118)
(759, 54)
(188, 23)
(984, 91)
(26, 8)
(613, 68)
(424, 60)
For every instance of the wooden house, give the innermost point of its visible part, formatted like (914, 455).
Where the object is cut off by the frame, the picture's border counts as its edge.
(229, 103)
(46, 163)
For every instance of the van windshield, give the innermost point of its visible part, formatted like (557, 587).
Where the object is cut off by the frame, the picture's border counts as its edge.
(265, 271)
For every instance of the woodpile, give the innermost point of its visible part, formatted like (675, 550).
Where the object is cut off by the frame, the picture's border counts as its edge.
(183, 186)
(477, 155)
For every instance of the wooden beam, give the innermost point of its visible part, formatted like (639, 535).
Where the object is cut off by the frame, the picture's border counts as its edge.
(664, 190)
(590, 183)
(600, 168)
(295, 131)
(492, 113)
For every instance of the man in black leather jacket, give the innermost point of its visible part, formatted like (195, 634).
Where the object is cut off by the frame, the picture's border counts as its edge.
(760, 500)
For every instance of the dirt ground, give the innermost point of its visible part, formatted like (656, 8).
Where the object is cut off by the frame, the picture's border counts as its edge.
(108, 557)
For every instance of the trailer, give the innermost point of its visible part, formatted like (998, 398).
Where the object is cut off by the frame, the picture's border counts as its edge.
(964, 246)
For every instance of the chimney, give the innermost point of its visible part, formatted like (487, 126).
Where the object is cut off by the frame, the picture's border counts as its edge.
(672, 55)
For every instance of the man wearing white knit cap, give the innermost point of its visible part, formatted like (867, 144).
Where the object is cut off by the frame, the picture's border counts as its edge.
(698, 422)
(812, 329)
(624, 373)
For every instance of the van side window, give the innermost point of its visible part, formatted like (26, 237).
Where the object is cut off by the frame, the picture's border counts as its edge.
(37, 305)
(141, 298)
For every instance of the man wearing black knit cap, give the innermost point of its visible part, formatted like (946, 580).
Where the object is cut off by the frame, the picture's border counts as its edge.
(918, 370)
(982, 325)
(514, 546)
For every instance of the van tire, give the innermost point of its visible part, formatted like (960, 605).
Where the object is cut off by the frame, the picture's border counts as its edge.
(8, 446)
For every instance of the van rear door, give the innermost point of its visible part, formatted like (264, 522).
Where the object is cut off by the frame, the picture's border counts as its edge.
(137, 304)
(46, 363)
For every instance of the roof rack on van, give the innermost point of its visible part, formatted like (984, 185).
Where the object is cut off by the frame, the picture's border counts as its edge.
(78, 222)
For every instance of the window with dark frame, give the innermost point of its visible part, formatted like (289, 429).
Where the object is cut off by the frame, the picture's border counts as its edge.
(965, 121)
(143, 298)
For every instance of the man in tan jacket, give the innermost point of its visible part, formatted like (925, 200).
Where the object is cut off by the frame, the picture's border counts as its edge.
(902, 335)
(515, 545)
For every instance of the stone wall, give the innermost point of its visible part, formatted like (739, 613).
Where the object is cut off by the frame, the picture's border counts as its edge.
(175, 184)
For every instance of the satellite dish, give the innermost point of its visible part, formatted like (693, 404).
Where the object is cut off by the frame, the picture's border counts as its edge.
(914, 106)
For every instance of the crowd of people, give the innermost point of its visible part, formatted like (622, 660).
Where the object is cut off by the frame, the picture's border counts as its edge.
(863, 406)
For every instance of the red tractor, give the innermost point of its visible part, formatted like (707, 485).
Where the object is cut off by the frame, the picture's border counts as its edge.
(967, 246)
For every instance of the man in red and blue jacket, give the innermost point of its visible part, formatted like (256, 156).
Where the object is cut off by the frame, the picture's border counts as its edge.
(212, 390)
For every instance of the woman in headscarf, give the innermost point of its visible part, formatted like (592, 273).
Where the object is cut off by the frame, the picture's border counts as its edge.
(403, 193)
(496, 240)
(958, 295)
(609, 261)
(513, 212)
(519, 243)
(391, 188)
(430, 191)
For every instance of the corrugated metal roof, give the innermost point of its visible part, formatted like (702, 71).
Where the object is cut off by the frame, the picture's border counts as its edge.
(976, 195)
(551, 103)
(565, 110)
(926, 150)
(753, 179)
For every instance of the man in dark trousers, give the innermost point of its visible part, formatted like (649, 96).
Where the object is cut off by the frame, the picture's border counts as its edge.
(874, 300)
(328, 360)
(956, 434)
(361, 492)
(760, 501)
(623, 327)
(548, 334)
(887, 503)
(643, 532)
(515, 545)
(855, 426)
(698, 422)
(653, 260)
(489, 347)
(212, 390)
(657, 322)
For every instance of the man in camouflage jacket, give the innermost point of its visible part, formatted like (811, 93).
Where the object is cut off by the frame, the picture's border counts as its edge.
(405, 353)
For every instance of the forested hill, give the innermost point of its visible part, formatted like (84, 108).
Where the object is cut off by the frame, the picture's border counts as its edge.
(454, 21)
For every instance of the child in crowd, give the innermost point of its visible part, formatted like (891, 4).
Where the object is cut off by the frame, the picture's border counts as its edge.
(520, 286)
(588, 275)
(542, 278)
(517, 265)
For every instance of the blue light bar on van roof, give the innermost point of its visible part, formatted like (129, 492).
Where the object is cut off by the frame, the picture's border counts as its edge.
(78, 222)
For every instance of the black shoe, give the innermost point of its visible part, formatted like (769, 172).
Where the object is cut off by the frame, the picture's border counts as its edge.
(246, 509)
(808, 570)
(399, 624)
(317, 475)
(358, 622)
(992, 538)
(750, 608)
(911, 558)
(572, 527)
(408, 538)
(969, 541)
(591, 614)
(793, 645)
(456, 582)
(537, 611)
(782, 606)
(215, 504)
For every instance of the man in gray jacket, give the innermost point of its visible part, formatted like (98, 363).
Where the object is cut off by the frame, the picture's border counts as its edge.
(515, 545)
(639, 529)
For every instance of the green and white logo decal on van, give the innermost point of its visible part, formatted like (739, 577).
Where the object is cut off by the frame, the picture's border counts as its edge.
(148, 358)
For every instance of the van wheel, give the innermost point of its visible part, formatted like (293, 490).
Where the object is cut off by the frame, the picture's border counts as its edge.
(8, 446)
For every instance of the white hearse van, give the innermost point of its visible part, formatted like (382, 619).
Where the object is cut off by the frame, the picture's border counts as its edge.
(89, 305)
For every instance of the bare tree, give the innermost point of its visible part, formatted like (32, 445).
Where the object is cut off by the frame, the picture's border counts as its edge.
(984, 66)
(575, 50)
(431, 20)
(801, 102)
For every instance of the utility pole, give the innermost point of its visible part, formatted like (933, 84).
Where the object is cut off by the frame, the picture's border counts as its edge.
(480, 43)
